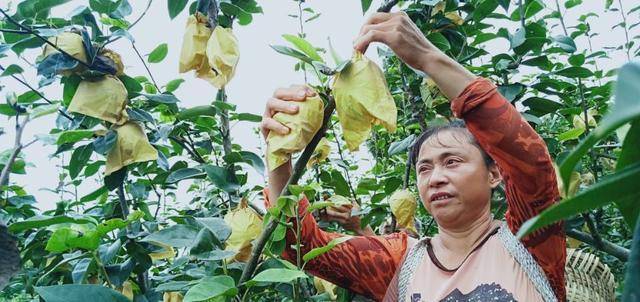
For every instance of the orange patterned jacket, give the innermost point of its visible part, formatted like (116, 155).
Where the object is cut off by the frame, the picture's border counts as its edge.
(366, 265)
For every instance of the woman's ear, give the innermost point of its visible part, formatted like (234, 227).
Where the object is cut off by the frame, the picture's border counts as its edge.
(494, 176)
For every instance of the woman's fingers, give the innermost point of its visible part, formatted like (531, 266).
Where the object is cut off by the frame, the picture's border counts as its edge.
(380, 34)
(276, 105)
(269, 124)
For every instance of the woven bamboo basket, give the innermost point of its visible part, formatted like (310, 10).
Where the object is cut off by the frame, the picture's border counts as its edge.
(587, 278)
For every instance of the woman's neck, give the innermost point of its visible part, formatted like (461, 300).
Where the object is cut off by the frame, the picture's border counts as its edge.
(461, 240)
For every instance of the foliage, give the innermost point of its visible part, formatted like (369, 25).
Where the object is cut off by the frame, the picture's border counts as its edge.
(127, 240)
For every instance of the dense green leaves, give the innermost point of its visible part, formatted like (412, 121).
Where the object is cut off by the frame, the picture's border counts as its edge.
(79, 293)
(210, 288)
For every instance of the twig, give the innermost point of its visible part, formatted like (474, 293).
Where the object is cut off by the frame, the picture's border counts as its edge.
(607, 246)
(4, 176)
(627, 45)
(224, 121)
(346, 169)
(298, 171)
(193, 154)
(133, 44)
(564, 27)
(14, 31)
(132, 24)
(38, 93)
(387, 6)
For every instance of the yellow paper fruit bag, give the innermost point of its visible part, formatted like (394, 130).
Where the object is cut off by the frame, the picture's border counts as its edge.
(115, 58)
(167, 252)
(323, 286)
(303, 125)
(322, 151)
(403, 206)
(131, 147)
(362, 99)
(246, 225)
(104, 99)
(194, 43)
(223, 54)
(172, 297)
(70, 43)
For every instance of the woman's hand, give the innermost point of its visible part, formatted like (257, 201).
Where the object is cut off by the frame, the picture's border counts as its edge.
(342, 215)
(283, 100)
(397, 31)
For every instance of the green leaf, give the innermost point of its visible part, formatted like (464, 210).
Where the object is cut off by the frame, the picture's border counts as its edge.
(44, 221)
(625, 109)
(439, 41)
(304, 46)
(11, 70)
(570, 134)
(81, 270)
(178, 235)
(277, 275)
(254, 160)
(43, 110)
(630, 155)
(483, 9)
(159, 53)
(79, 293)
(79, 159)
(316, 252)
(175, 7)
(173, 85)
(619, 185)
(632, 278)
(217, 226)
(292, 53)
(401, 146)
(161, 98)
(541, 106)
(576, 60)
(28, 97)
(365, 5)
(575, 72)
(31, 8)
(185, 173)
(104, 6)
(210, 288)
(532, 7)
(71, 84)
(566, 43)
(230, 9)
(222, 178)
(56, 63)
(248, 117)
(195, 112)
(104, 144)
(140, 115)
(72, 136)
(65, 239)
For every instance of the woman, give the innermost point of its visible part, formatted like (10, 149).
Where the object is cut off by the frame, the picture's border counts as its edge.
(473, 257)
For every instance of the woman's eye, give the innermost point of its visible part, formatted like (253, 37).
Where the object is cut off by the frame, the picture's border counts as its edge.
(424, 169)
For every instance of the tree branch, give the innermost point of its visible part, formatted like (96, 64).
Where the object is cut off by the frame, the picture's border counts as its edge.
(133, 44)
(387, 6)
(38, 93)
(298, 170)
(17, 147)
(607, 246)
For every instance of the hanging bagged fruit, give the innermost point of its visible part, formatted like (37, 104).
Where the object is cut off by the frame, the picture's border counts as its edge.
(104, 99)
(403, 206)
(194, 43)
(246, 225)
(70, 42)
(303, 126)
(323, 286)
(222, 57)
(320, 153)
(131, 147)
(115, 60)
(362, 100)
(172, 297)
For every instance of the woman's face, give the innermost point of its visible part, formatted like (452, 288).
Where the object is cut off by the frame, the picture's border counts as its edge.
(453, 180)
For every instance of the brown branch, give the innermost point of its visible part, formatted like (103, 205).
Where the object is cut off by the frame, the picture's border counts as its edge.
(298, 170)
(4, 176)
(606, 246)
(387, 6)
(133, 44)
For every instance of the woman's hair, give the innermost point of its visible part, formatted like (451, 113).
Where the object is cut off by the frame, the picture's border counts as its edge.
(454, 125)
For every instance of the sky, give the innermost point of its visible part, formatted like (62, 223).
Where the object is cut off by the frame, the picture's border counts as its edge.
(260, 71)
